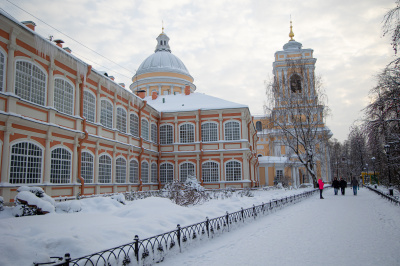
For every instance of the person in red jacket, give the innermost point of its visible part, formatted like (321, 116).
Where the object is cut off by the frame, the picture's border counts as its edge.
(321, 187)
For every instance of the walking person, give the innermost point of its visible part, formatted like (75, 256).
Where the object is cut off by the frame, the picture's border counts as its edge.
(321, 187)
(336, 185)
(354, 183)
(343, 185)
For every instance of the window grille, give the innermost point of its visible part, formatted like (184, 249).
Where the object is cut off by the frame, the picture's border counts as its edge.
(233, 171)
(87, 167)
(145, 129)
(154, 133)
(89, 106)
(210, 172)
(134, 171)
(106, 114)
(209, 132)
(186, 133)
(63, 96)
(30, 82)
(60, 172)
(120, 170)
(26, 164)
(104, 169)
(232, 130)
(121, 119)
(166, 134)
(186, 169)
(154, 173)
(166, 173)
(134, 125)
(145, 172)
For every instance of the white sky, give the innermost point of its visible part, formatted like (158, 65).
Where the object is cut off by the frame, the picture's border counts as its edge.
(228, 46)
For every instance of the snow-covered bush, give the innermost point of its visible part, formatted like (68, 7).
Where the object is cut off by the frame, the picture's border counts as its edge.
(1, 203)
(32, 201)
(186, 193)
(69, 206)
(246, 193)
(119, 197)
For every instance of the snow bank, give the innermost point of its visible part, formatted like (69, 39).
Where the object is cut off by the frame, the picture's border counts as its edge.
(69, 206)
(30, 199)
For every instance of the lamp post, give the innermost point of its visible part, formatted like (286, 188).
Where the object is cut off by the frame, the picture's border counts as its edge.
(366, 165)
(387, 150)
(373, 163)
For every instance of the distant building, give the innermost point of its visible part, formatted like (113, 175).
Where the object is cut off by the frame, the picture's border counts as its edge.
(293, 71)
(72, 129)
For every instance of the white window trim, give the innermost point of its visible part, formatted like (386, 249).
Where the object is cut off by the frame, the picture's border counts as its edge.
(71, 162)
(98, 180)
(219, 171)
(172, 127)
(210, 122)
(126, 169)
(73, 92)
(194, 132)
(94, 160)
(5, 69)
(241, 170)
(240, 130)
(173, 172)
(126, 118)
(129, 174)
(95, 105)
(112, 112)
(187, 162)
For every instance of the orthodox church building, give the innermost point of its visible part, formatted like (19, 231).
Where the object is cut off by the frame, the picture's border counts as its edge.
(71, 129)
(297, 111)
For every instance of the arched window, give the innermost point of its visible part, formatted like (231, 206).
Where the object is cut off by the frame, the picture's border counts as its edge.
(210, 172)
(145, 129)
(295, 83)
(106, 114)
(166, 173)
(258, 126)
(134, 125)
(121, 119)
(87, 167)
(26, 163)
(2, 71)
(233, 171)
(232, 130)
(63, 96)
(89, 106)
(145, 172)
(185, 170)
(154, 133)
(104, 169)
(186, 133)
(166, 134)
(134, 171)
(60, 172)
(209, 132)
(154, 173)
(30, 82)
(120, 170)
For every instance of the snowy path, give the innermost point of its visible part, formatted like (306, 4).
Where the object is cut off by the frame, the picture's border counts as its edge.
(339, 230)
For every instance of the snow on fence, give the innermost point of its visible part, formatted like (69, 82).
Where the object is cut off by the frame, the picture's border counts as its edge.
(154, 249)
(392, 199)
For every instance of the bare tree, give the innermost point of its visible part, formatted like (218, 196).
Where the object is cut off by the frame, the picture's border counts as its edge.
(391, 26)
(297, 108)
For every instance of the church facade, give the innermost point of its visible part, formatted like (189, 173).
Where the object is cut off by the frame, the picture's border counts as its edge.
(294, 123)
(70, 129)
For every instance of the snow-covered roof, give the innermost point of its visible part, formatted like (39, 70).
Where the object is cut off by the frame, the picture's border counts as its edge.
(272, 159)
(194, 101)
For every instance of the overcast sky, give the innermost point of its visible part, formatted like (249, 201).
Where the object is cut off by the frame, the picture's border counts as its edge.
(228, 46)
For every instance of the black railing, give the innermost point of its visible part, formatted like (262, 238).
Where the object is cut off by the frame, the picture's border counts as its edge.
(392, 199)
(154, 249)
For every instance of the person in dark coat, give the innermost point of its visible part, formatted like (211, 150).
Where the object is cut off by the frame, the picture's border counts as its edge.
(343, 185)
(336, 185)
(354, 183)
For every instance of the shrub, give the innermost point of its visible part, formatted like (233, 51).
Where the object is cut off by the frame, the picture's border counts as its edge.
(185, 193)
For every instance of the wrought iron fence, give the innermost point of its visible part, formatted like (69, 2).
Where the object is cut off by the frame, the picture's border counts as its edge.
(154, 249)
(392, 199)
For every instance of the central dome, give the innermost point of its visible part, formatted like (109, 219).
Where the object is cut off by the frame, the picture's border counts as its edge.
(162, 61)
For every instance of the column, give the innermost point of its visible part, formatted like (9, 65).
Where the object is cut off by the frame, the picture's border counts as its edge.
(10, 61)
(6, 155)
(50, 87)
(47, 158)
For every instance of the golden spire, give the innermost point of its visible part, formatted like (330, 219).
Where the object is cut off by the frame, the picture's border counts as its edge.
(291, 34)
(162, 26)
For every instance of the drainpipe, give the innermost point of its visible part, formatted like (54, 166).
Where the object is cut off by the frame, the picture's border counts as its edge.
(201, 150)
(81, 141)
(141, 145)
(159, 152)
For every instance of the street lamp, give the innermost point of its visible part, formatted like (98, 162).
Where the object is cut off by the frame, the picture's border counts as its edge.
(387, 150)
(366, 165)
(373, 162)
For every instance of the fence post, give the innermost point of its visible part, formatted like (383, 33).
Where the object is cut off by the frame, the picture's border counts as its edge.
(207, 226)
(137, 248)
(254, 211)
(178, 235)
(242, 211)
(67, 259)
(227, 220)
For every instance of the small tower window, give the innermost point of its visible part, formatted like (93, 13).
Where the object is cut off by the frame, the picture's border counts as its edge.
(295, 83)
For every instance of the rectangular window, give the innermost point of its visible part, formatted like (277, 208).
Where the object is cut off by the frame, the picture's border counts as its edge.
(166, 134)
(209, 132)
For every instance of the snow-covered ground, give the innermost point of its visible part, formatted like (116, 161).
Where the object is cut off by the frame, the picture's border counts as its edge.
(339, 230)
